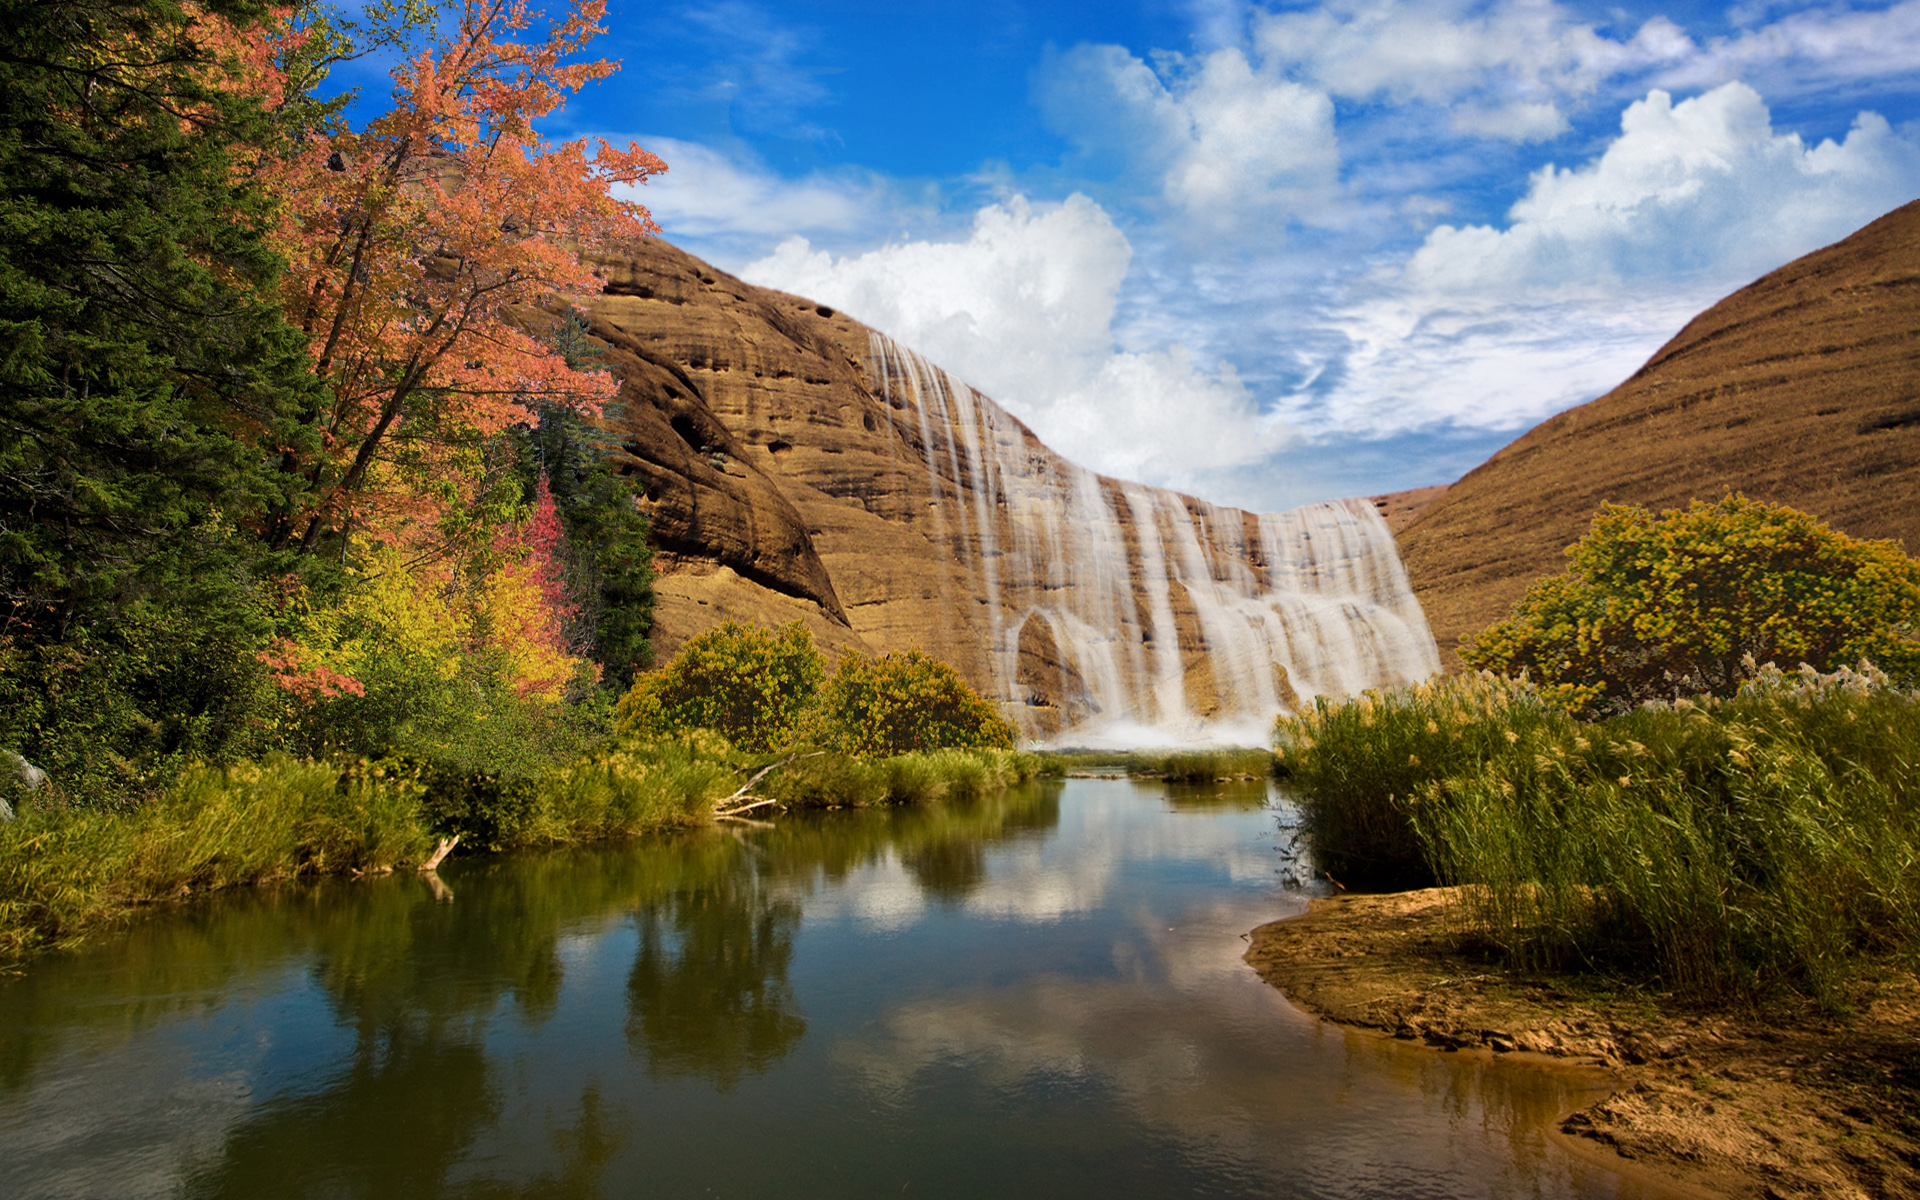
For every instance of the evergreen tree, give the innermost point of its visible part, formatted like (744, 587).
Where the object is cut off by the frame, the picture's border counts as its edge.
(146, 372)
(610, 562)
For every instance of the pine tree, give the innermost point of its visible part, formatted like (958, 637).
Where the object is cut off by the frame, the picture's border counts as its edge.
(145, 366)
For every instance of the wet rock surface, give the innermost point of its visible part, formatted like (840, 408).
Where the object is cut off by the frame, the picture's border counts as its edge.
(1789, 1100)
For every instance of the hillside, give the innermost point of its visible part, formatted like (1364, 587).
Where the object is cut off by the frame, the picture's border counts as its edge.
(1802, 388)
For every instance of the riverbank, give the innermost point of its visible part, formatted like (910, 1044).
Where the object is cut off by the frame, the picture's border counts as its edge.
(1789, 1100)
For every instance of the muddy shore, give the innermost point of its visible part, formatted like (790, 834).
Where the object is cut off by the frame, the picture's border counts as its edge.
(1785, 1100)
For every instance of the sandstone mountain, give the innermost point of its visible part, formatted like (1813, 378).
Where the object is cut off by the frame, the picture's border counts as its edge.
(1802, 388)
(797, 465)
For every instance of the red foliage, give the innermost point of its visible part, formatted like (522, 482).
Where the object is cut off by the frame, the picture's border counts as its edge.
(307, 682)
(412, 242)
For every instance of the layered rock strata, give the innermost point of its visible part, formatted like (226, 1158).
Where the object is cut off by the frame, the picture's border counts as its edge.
(797, 465)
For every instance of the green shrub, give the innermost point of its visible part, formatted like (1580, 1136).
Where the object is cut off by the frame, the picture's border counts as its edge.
(752, 686)
(1668, 606)
(902, 702)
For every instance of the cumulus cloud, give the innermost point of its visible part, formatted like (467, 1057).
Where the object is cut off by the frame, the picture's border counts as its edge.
(1225, 141)
(1600, 263)
(1023, 310)
(1704, 185)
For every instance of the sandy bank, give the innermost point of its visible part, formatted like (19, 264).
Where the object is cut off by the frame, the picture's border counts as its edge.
(1789, 1101)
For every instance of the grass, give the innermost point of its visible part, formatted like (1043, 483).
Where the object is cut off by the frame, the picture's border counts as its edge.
(66, 871)
(1726, 847)
(834, 780)
(1201, 766)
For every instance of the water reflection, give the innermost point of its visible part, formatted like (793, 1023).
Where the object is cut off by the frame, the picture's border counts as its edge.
(708, 994)
(1021, 995)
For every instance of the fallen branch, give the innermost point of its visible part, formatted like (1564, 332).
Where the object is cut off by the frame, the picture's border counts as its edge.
(734, 812)
(439, 854)
(762, 773)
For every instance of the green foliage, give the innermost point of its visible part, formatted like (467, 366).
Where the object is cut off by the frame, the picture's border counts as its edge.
(1659, 607)
(1725, 846)
(112, 713)
(904, 701)
(1357, 765)
(752, 686)
(144, 357)
(145, 350)
(609, 560)
(1200, 766)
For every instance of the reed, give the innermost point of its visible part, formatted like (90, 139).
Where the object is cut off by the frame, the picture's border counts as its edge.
(1728, 847)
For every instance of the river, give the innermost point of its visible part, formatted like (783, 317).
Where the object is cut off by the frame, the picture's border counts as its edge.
(1034, 994)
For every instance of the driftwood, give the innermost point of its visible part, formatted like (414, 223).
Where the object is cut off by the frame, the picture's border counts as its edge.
(439, 854)
(755, 801)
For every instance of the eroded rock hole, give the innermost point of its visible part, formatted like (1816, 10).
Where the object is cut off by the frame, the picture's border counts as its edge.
(688, 431)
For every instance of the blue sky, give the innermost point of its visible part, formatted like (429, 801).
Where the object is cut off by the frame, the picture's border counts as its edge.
(1267, 253)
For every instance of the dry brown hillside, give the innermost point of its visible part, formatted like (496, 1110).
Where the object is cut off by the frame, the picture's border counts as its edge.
(1802, 388)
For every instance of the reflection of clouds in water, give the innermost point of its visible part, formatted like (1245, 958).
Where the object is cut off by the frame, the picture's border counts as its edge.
(1071, 873)
(80, 1139)
(1193, 1047)
(882, 895)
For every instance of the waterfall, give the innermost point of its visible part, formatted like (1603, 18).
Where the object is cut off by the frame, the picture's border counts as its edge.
(1115, 613)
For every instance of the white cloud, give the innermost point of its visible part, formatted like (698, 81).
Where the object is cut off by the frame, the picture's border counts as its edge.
(1814, 48)
(1703, 186)
(708, 194)
(1511, 62)
(1023, 310)
(1226, 142)
(1599, 264)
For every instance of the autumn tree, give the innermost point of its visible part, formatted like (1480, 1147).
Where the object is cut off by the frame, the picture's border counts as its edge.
(607, 557)
(420, 246)
(1676, 604)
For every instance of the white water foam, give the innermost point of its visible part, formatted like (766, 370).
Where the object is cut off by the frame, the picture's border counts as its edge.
(1279, 607)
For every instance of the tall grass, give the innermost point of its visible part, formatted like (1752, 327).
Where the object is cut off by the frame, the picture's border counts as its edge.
(67, 870)
(63, 871)
(834, 780)
(1358, 765)
(1730, 847)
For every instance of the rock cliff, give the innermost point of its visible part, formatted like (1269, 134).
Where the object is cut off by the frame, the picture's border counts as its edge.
(1802, 388)
(797, 465)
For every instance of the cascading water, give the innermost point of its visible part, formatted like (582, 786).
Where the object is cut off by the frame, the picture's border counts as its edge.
(1115, 613)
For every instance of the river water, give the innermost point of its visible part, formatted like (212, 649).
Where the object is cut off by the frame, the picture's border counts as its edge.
(1035, 994)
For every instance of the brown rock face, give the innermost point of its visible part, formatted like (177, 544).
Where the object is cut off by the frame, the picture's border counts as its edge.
(797, 465)
(1802, 389)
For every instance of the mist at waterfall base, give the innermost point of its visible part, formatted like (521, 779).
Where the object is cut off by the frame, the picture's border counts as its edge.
(1173, 621)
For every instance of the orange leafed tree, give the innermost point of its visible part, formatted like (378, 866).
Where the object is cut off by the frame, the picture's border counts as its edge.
(415, 242)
